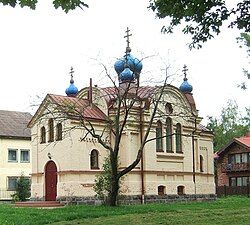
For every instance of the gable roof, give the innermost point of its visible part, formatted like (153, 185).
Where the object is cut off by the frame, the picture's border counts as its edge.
(13, 124)
(82, 106)
(72, 106)
(242, 141)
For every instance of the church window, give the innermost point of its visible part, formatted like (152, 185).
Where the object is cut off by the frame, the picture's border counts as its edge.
(159, 145)
(43, 135)
(178, 138)
(180, 190)
(51, 130)
(94, 164)
(168, 108)
(161, 190)
(169, 139)
(201, 164)
(59, 132)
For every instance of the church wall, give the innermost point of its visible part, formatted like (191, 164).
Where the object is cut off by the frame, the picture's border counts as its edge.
(72, 158)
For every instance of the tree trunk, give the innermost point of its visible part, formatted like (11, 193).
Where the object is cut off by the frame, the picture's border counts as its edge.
(114, 190)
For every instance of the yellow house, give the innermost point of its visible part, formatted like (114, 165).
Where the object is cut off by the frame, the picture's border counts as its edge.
(177, 158)
(15, 151)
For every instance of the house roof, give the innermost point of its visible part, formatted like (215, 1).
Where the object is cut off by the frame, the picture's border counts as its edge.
(243, 141)
(14, 124)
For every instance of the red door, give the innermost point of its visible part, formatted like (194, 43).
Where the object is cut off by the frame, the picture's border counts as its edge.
(50, 181)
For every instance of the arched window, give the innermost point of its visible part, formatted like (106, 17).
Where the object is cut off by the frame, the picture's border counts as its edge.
(43, 135)
(180, 190)
(169, 108)
(178, 138)
(161, 190)
(159, 145)
(201, 164)
(51, 130)
(59, 132)
(94, 159)
(169, 139)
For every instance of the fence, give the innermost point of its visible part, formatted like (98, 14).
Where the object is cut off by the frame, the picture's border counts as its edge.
(5, 194)
(232, 190)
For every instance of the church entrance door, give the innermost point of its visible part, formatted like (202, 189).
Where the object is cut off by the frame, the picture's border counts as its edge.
(50, 181)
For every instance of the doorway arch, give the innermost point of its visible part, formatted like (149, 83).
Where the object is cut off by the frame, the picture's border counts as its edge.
(50, 181)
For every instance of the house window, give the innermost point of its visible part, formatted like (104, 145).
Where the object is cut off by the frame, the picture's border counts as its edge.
(244, 157)
(43, 135)
(201, 164)
(25, 155)
(94, 159)
(59, 132)
(239, 181)
(178, 138)
(238, 158)
(169, 142)
(159, 145)
(232, 181)
(12, 155)
(51, 130)
(161, 190)
(180, 190)
(245, 181)
(12, 183)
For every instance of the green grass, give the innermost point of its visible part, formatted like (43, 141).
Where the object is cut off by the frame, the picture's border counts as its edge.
(233, 210)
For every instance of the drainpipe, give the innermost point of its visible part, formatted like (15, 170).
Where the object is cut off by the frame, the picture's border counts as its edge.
(142, 158)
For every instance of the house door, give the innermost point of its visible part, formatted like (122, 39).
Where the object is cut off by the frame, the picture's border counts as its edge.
(50, 181)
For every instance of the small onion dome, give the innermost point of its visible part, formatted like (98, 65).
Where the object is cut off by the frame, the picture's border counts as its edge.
(186, 87)
(119, 65)
(72, 90)
(134, 64)
(127, 75)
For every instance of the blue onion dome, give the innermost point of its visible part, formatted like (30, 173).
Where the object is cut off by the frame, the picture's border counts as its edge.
(134, 64)
(186, 87)
(72, 90)
(127, 75)
(119, 65)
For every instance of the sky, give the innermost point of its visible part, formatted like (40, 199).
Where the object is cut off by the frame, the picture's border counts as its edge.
(37, 49)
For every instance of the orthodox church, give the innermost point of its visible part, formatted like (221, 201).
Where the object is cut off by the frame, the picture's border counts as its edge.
(70, 135)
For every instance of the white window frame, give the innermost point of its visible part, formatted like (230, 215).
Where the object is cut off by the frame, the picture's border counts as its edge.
(24, 150)
(8, 180)
(13, 149)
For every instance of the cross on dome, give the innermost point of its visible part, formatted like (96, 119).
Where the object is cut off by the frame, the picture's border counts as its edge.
(128, 49)
(185, 69)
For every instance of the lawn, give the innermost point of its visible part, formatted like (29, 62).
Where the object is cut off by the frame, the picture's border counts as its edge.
(231, 210)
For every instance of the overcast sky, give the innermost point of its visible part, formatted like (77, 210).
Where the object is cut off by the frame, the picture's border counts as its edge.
(37, 49)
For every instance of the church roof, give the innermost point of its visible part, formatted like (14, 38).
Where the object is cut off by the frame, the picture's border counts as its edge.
(13, 124)
(81, 106)
(144, 92)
